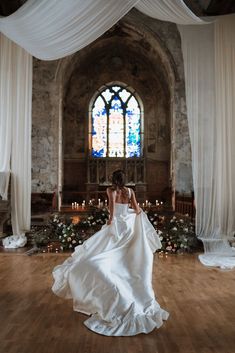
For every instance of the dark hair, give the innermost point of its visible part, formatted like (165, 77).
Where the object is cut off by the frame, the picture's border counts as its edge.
(118, 178)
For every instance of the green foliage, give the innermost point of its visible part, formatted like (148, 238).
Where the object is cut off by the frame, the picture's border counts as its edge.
(177, 233)
(67, 233)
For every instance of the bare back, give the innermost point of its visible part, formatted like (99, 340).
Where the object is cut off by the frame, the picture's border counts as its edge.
(121, 196)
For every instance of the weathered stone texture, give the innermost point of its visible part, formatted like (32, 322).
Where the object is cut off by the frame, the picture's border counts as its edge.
(139, 51)
(44, 127)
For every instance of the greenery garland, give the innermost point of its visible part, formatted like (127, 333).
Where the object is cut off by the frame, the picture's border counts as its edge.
(177, 233)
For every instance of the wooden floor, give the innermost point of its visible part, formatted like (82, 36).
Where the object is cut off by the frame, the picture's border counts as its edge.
(201, 303)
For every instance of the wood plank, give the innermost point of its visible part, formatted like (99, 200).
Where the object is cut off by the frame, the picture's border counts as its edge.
(33, 320)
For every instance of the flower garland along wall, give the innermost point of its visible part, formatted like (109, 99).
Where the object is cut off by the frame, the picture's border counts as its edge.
(177, 234)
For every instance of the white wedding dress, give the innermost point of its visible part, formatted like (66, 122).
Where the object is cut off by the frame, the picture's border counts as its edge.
(109, 277)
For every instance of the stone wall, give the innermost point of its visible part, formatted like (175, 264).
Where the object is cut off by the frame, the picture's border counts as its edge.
(45, 126)
(145, 54)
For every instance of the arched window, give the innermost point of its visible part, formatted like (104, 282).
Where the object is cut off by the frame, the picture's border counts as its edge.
(116, 125)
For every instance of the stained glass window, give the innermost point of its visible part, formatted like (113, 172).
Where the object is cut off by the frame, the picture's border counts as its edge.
(116, 124)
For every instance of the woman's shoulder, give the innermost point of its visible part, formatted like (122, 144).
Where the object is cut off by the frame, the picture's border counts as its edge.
(110, 190)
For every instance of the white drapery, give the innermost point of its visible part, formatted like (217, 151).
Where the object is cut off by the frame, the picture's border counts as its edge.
(15, 129)
(50, 29)
(5, 115)
(173, 11)
(209, 60)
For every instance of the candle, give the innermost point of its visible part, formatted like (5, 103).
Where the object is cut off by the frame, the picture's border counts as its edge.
(72, 205)
(146, 202)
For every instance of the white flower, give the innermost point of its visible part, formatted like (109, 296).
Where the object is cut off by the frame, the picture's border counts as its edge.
(181, 220)
(70, 246)
(155, 214)
(174, 217)
(185, 230)
(161, 238)
(168, 248)
(73, 241)
(174, 229)
(155, 223)
(79, 242)
(69, 239)
(159, 232)
(181, 245)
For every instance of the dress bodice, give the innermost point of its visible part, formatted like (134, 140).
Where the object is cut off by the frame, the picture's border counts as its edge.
(120, 209)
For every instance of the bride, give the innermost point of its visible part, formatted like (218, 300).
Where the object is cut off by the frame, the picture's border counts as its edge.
(109, 276)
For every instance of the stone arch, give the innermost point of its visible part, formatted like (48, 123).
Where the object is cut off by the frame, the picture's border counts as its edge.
(132, 32)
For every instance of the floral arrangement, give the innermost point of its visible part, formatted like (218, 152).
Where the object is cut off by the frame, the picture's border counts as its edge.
(177, 233)
(69, 234)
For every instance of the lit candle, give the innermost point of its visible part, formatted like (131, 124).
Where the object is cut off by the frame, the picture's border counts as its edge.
(146, 202)
(72, 205)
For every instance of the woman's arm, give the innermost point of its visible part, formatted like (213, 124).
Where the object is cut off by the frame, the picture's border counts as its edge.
(111, 196)
(134, 203)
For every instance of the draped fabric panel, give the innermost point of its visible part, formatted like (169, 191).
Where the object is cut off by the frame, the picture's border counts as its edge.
(21, 141)
(173, 11)
(15, 129)
(199, 69)
(5, 113)
(225, 114)
(209, 59)
(50, 29)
